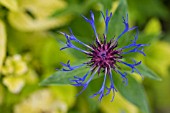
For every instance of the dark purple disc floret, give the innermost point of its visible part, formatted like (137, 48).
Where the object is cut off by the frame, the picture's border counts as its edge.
(103, 56)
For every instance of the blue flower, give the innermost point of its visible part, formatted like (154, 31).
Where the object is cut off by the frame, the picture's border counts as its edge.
(104, 56)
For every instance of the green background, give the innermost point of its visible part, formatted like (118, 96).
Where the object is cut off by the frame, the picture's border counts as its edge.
(30, 52)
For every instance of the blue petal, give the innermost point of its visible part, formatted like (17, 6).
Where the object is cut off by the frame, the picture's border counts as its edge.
(112, 87)
(92, 15)
(67, 67)
(69, 43)
(126, 29)
(80, 79)
(101, 91)
(132, 66)
(106, 19)
(123, 75)
(137, 47)
(84, 85)
(72, 37)
(91, 21)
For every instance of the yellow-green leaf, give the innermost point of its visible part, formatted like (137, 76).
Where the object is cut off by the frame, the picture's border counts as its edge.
(42, 8)
(120, 104)
(10, 4)
(2, 43)
(34, 15)
(24, 22)
(158, 58)
(153, 27)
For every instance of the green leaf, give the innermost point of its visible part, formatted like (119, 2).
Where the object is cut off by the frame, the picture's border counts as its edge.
(61, 78)
(116, 24)
(107, 4)
(2, 43)
(133, 92)
(147, 72)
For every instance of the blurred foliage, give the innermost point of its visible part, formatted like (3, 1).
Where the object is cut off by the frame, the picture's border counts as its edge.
(30, 52)
(2, 43)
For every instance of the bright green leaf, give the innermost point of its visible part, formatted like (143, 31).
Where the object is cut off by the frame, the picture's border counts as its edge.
(2, 43)
(133, 92)
(116, 24)
(146, 72)
(61, 78)
(107, 4)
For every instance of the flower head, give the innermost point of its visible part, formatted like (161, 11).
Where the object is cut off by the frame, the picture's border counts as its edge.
(104, 56)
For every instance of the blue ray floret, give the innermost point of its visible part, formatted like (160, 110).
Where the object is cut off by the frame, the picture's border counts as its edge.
(103, 56)
(101, 91)
(126, 29)
(112, 87)
(106, 20)
(132, 66)
(123, 75)
(137, 47)
(92, 23)
(67, 67)
(84, 84)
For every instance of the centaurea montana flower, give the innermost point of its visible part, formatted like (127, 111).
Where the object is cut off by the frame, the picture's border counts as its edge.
(103, 56)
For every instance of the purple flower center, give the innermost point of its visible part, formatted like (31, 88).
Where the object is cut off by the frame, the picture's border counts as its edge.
(104, 55)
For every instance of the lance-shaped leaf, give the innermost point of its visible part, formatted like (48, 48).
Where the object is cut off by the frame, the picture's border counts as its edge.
(61, 78)
(133, 92)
